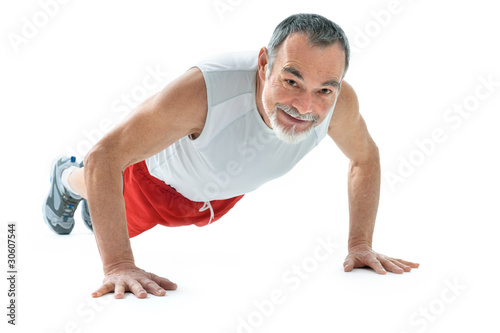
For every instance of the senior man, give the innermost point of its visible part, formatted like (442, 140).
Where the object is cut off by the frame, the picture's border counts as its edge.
(189, 153)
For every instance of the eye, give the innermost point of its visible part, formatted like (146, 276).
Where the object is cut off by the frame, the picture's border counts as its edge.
(325, 91)
(292, 83)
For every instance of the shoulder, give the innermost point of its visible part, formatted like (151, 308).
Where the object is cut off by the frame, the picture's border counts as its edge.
(347, 97)
(348, 128)
(230, 61)
(184, 101)
(228, 76)
(346, 110)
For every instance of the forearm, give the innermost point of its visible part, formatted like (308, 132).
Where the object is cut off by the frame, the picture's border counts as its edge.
(364, 193)
(107, 208)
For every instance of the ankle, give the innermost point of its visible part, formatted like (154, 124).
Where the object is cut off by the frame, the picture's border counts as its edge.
(66, 183)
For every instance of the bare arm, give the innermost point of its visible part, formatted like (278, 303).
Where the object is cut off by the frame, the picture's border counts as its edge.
(348, 130)
(176, 111)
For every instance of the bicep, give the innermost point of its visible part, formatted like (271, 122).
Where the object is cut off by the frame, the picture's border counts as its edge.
(174, 112)
(348, 128)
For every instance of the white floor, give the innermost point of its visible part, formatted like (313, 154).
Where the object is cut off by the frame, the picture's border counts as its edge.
(267, 265)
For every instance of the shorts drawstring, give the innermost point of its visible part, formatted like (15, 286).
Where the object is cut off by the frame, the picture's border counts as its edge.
(205, 207)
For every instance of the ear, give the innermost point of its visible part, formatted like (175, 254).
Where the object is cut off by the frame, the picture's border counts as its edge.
(262, 63)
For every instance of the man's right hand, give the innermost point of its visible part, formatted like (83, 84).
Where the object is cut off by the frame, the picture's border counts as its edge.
(128, 277)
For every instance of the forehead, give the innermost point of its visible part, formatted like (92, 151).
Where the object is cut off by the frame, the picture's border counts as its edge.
(297, 52)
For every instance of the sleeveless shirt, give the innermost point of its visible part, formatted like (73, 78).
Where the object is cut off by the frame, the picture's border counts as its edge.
(236, 151)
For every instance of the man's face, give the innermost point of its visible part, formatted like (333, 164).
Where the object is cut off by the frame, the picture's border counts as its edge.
(302, 86)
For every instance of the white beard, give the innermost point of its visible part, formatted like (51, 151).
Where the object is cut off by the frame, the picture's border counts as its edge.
(290, 135)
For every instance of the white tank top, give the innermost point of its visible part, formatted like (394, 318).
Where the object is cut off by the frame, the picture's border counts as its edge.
(236, 151)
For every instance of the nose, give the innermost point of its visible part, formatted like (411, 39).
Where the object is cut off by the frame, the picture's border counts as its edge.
(303, 103)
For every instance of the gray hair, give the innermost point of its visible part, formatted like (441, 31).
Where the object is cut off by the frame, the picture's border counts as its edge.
(319, 30)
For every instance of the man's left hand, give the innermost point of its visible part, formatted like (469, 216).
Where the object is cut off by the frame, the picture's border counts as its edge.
(364, 256)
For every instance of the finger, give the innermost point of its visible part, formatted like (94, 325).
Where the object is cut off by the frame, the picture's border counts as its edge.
(377, 266)
(406, 268)
(105, 288)
(348, 265)
(163, 282)
(120, 291)
(136, 288)
(408, 263)
(391, 267)
(153, 288)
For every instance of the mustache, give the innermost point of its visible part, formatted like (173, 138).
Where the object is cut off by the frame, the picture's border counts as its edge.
(296, 114)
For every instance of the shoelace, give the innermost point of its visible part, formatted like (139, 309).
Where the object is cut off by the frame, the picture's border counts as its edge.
(69, 207)
(205, 207)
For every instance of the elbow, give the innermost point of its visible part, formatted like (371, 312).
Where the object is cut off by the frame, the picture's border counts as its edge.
(368, 163)
(94, 157)
(107, 157)
(92, 162)
(370, 156)
(98, 161)
(374, 152)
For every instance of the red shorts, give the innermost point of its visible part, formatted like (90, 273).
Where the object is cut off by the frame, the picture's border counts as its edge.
(149, 201)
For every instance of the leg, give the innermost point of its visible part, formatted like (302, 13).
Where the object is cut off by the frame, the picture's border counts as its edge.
(77, 182)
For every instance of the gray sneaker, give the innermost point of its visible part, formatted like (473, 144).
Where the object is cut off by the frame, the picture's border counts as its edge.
(85, 211)
(60, 206)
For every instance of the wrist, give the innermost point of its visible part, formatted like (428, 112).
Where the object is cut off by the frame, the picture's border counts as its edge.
(119, 265)
(358, 244)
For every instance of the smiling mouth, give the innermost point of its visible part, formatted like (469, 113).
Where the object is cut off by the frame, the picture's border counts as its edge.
(292, 118)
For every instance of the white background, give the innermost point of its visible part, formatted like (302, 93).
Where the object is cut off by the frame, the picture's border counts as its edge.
(410, 68)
